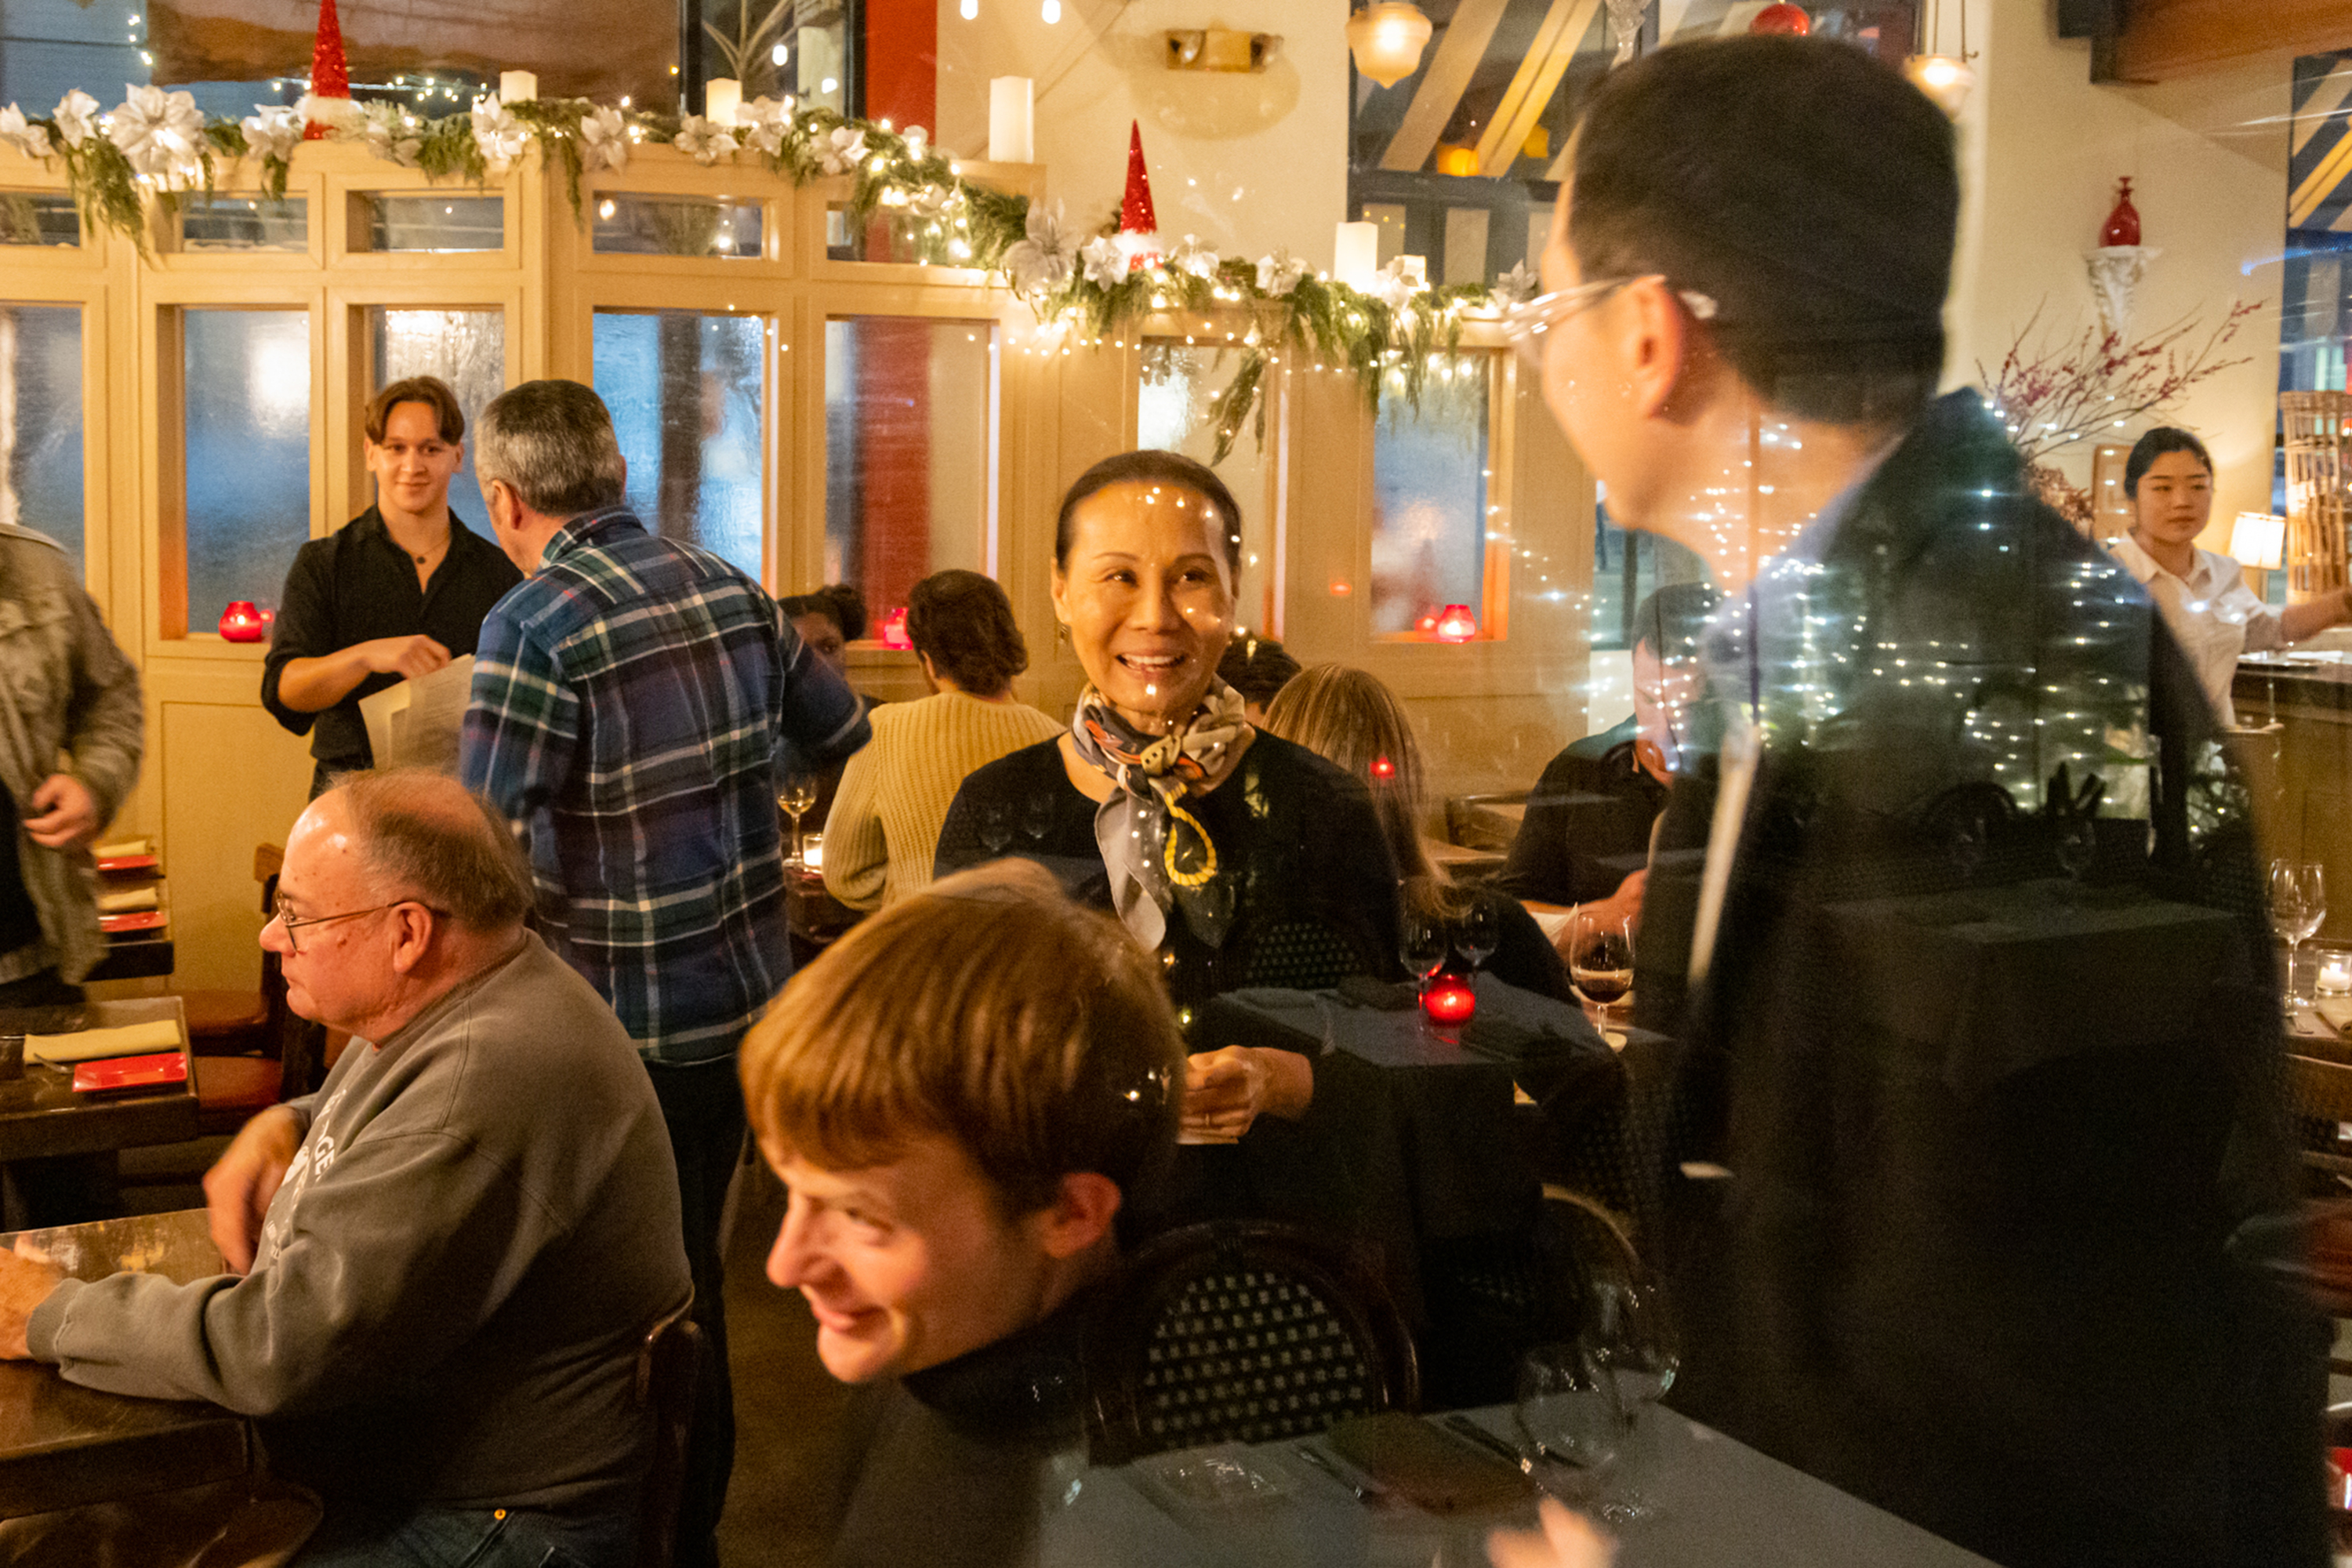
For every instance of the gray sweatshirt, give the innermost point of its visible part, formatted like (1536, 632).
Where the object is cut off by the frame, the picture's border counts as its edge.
(451, 1284)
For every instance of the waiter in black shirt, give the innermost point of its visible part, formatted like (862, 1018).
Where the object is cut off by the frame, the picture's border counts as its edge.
(397, 592)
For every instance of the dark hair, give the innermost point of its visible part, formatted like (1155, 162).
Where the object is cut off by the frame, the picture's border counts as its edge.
(447, 846)
(552, 443)
(1671, 621)
(1152, 466)
(2156, 443)
(963, 623)
(844, 605)
(1257, 667)
(1805, 187)
(429, 390)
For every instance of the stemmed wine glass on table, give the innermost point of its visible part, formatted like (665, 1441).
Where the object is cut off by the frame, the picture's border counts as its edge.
(1423, 941)
(1570, 1422)
(2298, 902)
(1599, 960)
(1629, 1341)
(1477, 932)
(797, 795)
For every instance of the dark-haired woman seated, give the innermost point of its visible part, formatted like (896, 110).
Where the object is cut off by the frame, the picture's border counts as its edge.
(1242, 858)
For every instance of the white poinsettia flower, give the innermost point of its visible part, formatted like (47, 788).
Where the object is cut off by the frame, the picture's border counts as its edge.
(1106, 261)
(1043, 262)
(1193, 257)
(761, 110)
(1394, 286)
(159, 133)
(918, 142)
(335, 113)
(15, 131)
(1279, 273)
(393, 133)
(841, 150)
(500, 135)
(604, 140)
(272, 131)
(703, 140)
(1516, 286)
(764, 137)
(76, 117)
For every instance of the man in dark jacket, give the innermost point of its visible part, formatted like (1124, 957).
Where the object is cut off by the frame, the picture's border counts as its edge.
(1966, 1148)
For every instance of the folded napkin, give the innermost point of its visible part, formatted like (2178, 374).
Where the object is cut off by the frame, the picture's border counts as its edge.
(121, 848)
(124, 903)
(2337, 1011)
(92, 1045)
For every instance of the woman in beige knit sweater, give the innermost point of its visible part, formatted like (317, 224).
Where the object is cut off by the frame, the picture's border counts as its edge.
(885, 825)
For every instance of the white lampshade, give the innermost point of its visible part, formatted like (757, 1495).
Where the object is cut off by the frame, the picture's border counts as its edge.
(1944, 79)
(1387, 37)
(2259, 539)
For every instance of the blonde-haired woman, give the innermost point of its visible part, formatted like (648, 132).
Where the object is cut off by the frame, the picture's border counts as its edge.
(1349, 717)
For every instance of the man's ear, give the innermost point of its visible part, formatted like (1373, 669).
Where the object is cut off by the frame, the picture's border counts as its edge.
(1657, 346)
(413, 926)
(1080, 1214)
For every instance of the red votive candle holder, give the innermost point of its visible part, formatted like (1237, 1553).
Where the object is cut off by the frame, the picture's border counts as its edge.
(894, 629)
(1449, 1000)
(242, 623)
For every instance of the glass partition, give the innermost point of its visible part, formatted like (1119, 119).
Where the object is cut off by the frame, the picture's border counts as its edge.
(436, 224)
(40, 422)
(1430, 478)
(245, 383)
(467, 349)
(909, 452)
(631, 225)
(38, 217)
(222, 222)
(1176, 391)
(688, 396)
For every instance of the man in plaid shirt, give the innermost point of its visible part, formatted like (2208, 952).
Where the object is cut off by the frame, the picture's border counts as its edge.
(630, 697)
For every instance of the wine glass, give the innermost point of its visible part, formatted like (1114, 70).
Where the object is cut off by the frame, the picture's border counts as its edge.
(797, 795)
(2078, 846)
(1629, 1339)
(1477, 932)
(1600, 960)
(2298, 899)
(1421, 938)
(1570, 1422)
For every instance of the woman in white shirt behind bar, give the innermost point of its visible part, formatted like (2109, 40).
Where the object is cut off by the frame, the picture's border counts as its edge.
(2204, 598)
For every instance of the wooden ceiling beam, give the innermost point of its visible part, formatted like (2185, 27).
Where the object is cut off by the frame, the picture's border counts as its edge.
(1443, 83)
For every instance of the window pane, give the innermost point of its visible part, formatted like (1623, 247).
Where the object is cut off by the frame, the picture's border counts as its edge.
(467, 349)
(40, 422)
(243, 223)
(1429, 498)
(1179, 385)
(38, 217)
(688, 396)
(437, 223)
(909, 427)
(675, 225)
(247, 389)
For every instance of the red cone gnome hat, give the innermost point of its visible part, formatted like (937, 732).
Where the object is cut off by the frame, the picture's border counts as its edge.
(1138, 226)
(330, 76)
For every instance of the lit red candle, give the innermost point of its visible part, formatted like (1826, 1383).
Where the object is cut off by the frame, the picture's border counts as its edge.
(242, 623)
(894, 629)
(1456, 624)
(1449, 1000)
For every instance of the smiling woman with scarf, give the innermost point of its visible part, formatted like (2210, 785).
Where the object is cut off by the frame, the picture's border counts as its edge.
(1214, 843)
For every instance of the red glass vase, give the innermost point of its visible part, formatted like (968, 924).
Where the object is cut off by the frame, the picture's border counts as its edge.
(2122, 223)
(242, 623)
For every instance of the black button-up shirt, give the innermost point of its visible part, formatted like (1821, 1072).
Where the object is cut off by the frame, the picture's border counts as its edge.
(357, 584)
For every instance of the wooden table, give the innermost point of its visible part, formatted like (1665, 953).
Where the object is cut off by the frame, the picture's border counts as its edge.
(62, 1445)
(41, 1116)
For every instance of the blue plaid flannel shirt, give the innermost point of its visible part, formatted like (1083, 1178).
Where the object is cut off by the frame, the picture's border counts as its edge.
(629, 703)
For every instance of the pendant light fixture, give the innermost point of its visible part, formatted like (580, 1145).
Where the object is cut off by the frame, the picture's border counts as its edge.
(1387, 37)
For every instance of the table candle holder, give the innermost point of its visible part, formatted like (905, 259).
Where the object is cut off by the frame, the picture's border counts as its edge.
(2331, 971)
(1449, 999)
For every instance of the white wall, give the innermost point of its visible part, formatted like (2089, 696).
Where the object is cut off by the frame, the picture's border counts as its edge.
(2208, 163)
(1245, 162)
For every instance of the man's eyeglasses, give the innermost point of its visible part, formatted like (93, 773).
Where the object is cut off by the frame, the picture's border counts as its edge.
(290, 922)
(1526, 323)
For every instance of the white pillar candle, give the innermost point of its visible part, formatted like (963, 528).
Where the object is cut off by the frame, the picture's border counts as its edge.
(517, 87)
(723, 98)
(1355, 253)
(1011, 121)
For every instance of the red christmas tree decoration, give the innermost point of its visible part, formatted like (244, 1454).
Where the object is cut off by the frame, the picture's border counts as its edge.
(331, 74)
(1782, 18)
(1138, 226)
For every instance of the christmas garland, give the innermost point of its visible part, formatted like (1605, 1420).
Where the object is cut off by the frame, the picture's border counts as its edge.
(157, 145)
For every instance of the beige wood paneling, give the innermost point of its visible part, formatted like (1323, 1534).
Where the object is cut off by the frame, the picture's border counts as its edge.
(230, 780)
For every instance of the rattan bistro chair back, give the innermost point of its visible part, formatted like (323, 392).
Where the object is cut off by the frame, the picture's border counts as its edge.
(1242, 1332)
